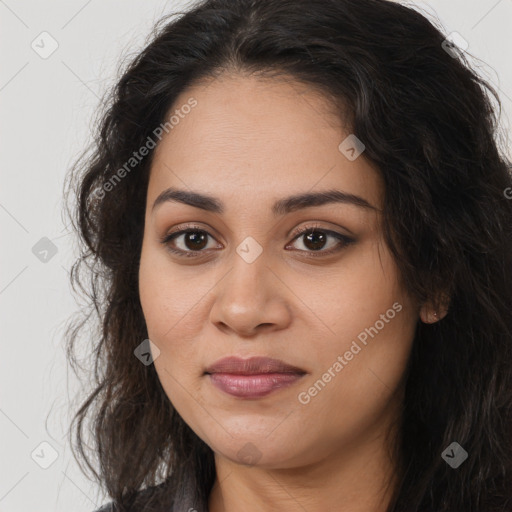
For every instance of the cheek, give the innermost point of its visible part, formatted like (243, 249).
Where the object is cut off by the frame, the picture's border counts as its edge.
(352, 297)
(359, 364)
(170, 328)
(167, 297)
(172, 303)
(355, 376)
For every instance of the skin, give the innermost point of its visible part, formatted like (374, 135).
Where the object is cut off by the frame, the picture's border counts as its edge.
(250, 142)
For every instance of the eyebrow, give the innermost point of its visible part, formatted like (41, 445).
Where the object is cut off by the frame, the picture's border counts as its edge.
(280, 207)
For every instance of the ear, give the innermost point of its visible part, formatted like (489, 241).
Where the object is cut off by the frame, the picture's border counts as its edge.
(431, 312)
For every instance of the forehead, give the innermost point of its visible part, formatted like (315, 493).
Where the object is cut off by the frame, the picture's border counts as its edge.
(261, 137)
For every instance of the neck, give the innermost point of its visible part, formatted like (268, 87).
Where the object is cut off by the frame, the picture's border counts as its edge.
(360, 477)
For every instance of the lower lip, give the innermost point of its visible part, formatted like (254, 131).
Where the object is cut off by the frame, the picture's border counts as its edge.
(252, 386)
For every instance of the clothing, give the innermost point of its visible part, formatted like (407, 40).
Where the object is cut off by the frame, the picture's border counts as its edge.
(145, 501)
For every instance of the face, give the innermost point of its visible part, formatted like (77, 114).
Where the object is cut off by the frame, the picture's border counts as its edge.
(243, 281)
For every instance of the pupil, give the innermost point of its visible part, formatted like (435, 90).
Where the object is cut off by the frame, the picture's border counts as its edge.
(198, 239)
(318, 244)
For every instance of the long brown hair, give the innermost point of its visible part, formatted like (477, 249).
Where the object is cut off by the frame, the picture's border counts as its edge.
(428, 123)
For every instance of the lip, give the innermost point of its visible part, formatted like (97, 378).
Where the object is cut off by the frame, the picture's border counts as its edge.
(251, 366)
(252, 378)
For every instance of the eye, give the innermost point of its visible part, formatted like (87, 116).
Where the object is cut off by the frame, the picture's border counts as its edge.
(315, 238)
(195, 240)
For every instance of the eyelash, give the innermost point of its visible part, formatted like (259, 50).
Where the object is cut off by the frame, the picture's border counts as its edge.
(345, 241)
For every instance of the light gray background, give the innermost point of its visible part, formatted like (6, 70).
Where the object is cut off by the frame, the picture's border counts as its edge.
(46, 110)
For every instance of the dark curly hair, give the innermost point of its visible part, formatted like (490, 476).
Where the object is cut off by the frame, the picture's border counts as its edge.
(429, 124)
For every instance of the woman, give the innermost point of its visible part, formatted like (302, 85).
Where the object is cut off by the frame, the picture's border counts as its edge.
(297, 221)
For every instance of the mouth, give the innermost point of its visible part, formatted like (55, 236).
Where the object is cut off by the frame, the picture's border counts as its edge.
(252, 378)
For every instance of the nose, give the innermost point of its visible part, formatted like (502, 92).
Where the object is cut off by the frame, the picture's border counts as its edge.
(251, 298)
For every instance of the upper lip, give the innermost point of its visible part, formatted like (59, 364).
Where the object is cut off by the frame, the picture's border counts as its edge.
(251, 366)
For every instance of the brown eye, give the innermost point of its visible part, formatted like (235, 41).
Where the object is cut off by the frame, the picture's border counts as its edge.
(315, 239)
(188, 241)
(195, 240)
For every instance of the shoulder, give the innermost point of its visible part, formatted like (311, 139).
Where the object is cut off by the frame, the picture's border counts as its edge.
(151, 499)
(109, 507)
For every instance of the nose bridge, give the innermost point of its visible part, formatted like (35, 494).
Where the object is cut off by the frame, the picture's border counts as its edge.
(250, 267)
(247, 282)
(249, 295)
